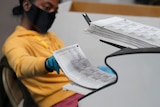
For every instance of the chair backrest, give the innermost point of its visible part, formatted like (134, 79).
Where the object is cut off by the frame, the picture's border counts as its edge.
(16, 91)
(11, 87)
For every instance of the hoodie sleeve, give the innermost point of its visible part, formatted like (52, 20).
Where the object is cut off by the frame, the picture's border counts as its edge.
(24, 64)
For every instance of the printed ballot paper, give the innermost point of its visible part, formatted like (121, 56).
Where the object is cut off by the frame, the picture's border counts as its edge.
(77, 67)
(125, 32)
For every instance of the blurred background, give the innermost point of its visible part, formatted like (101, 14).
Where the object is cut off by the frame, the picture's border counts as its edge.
(8, 22)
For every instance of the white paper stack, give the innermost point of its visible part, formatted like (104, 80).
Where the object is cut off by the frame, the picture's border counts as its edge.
(125, 32)
(77, 67)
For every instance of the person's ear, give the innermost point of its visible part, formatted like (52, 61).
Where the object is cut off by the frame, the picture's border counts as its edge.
(26, 5)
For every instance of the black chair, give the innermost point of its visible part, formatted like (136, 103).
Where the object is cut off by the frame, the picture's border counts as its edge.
(16, 92)
(12, 88)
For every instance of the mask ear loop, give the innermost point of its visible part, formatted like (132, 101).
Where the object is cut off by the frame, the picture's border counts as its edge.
(26, 5)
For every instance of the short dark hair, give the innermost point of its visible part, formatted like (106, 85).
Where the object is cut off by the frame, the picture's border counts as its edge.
(18, 10)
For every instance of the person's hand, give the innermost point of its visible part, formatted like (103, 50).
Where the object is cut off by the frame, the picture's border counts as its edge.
(105, 69)
(52, 64)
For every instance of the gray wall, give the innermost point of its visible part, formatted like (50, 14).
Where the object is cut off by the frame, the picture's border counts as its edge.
(7, 21)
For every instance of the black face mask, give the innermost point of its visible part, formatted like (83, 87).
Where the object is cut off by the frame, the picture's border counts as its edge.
(40, 18)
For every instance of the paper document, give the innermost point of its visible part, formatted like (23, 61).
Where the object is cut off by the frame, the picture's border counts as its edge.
(77, 88)
(126, 32)
(77, 67)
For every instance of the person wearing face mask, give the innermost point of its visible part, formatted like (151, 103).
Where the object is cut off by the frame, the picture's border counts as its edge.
(29, 53)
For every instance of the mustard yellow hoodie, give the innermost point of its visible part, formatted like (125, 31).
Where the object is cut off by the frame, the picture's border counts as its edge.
(26, 51)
